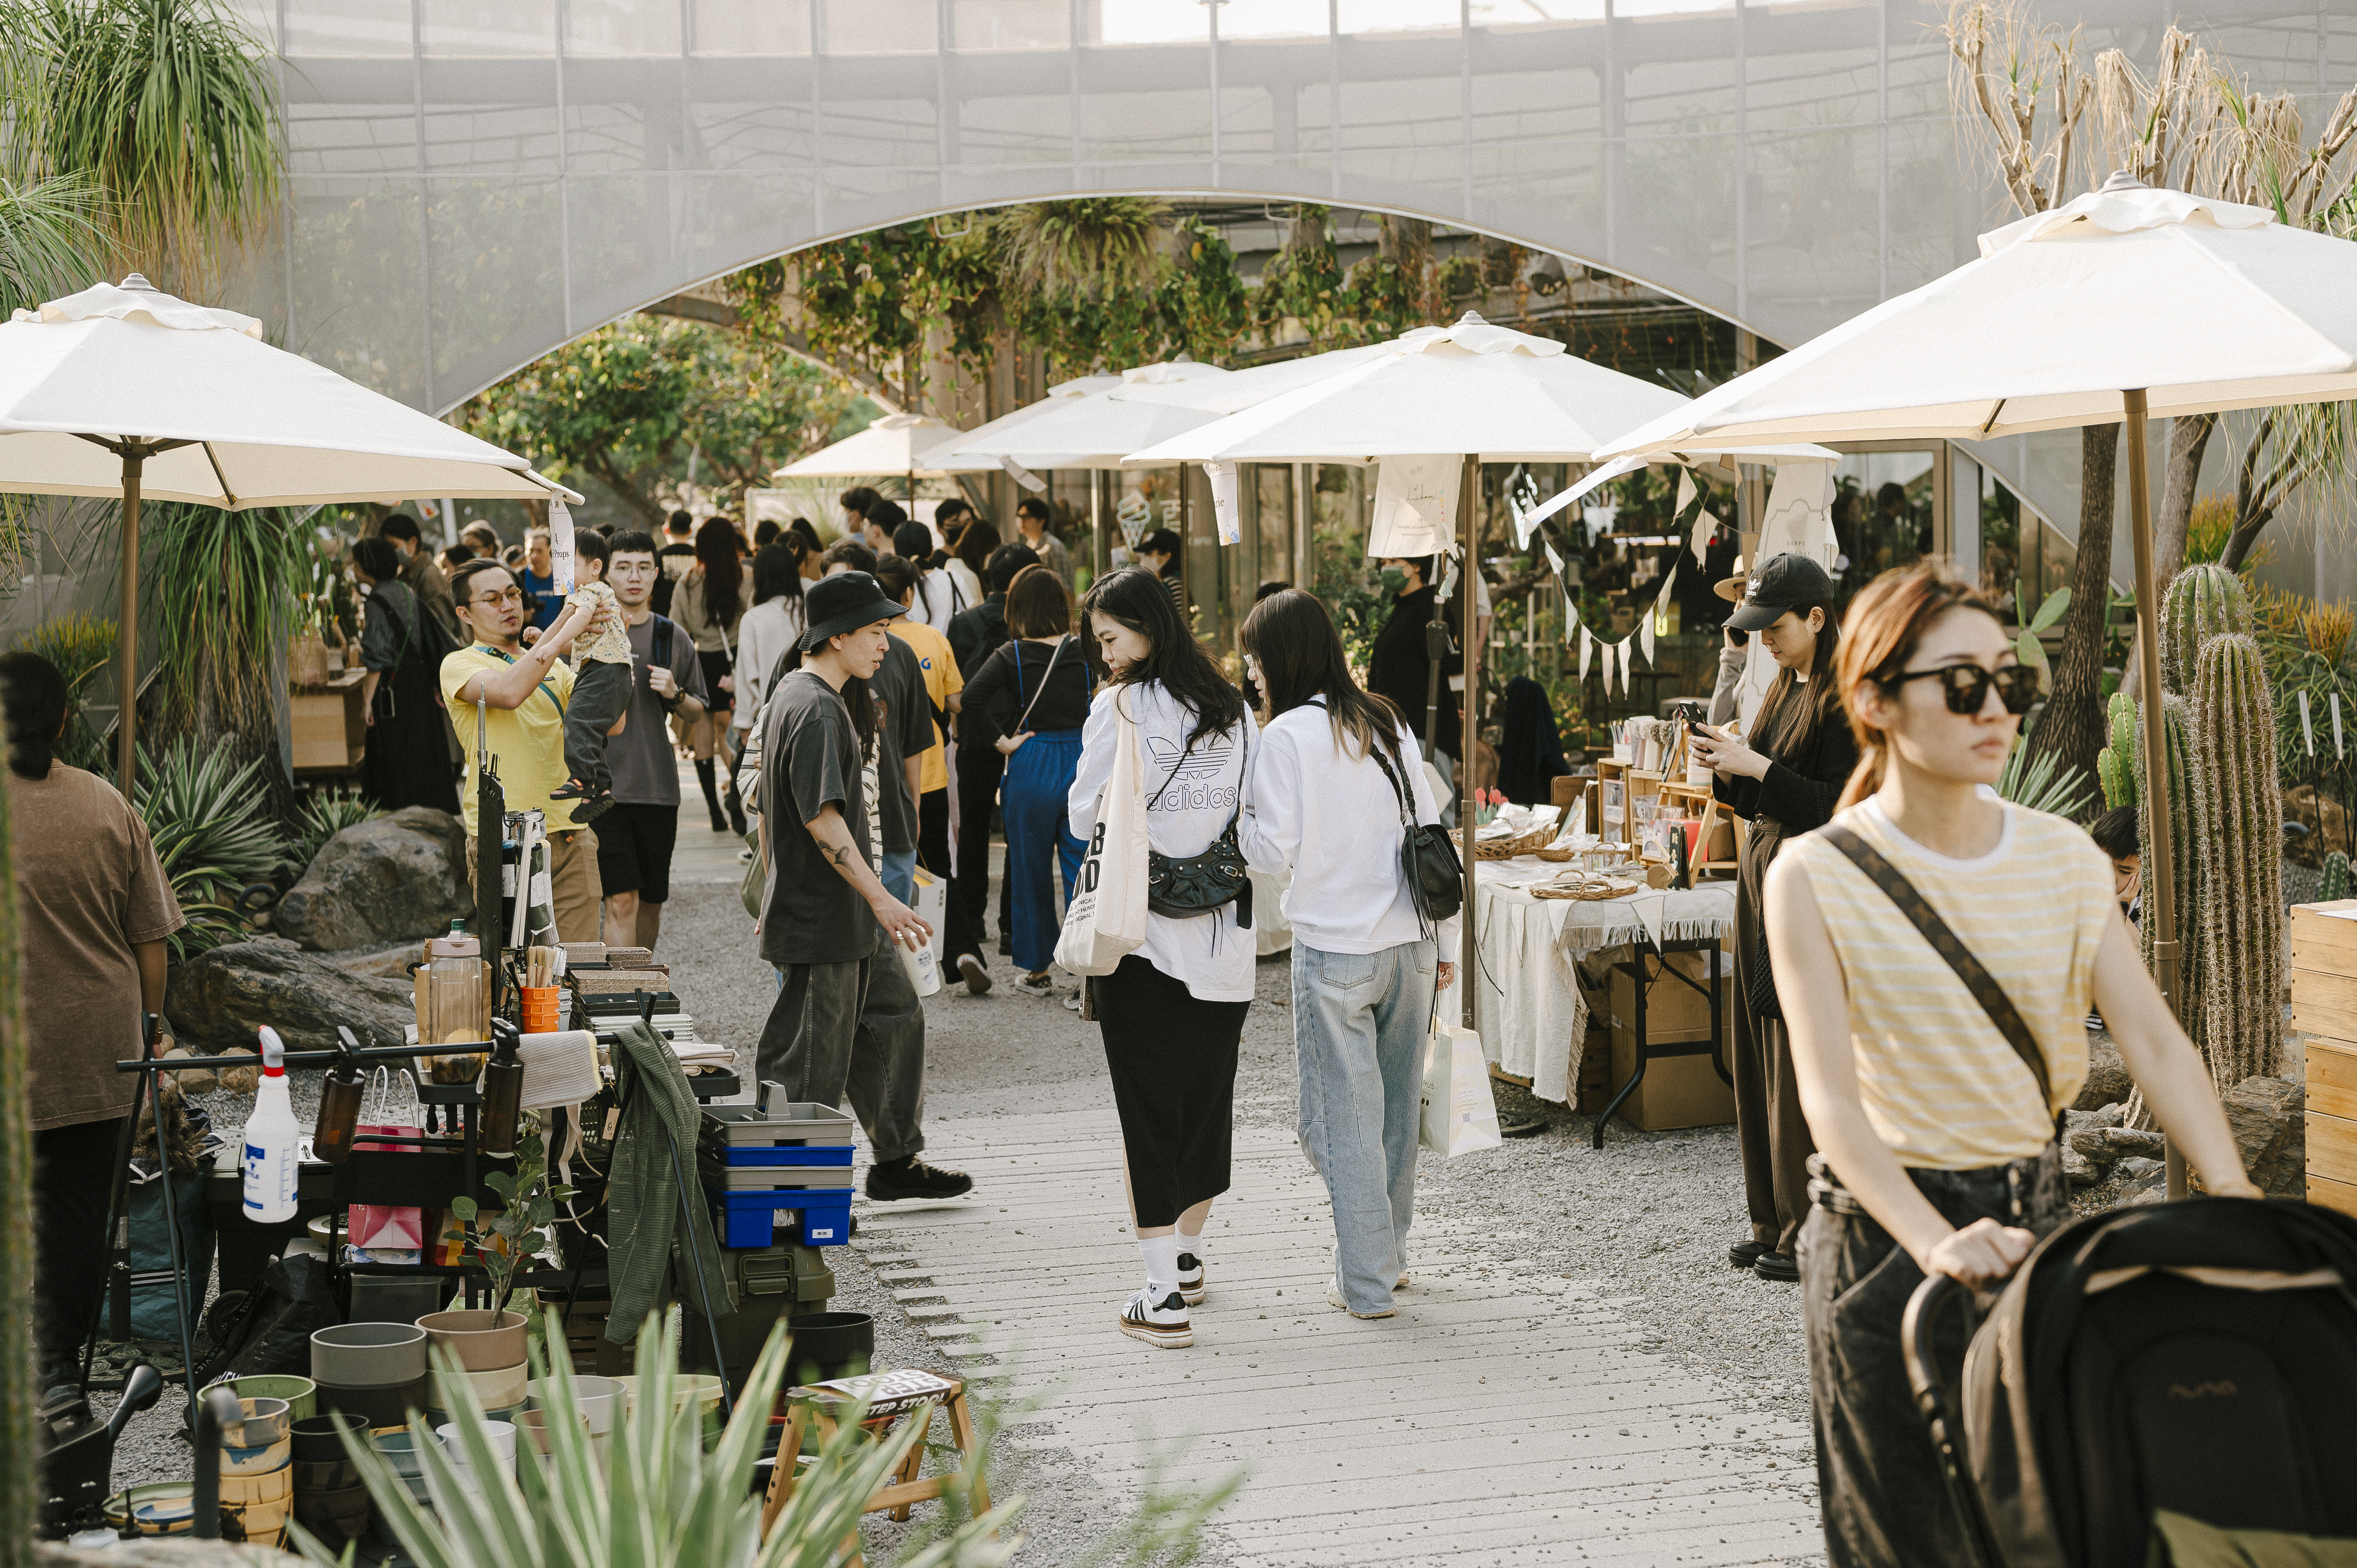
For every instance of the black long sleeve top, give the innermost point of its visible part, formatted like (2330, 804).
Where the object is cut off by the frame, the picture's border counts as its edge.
(1799, 792)
(1011, 677)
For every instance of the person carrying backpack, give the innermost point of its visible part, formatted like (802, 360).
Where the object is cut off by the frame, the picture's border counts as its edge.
(1935, 951)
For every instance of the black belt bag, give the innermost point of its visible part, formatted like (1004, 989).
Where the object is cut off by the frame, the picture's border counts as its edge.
(1180, 887)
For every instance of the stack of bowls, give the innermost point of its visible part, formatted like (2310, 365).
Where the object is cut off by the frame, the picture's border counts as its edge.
(154, 1508)
(531, 1426)
(257, 1481)
(331, 1500)
(603, 1403)
(492, 1354)
(400, 1450)
(301, 1394)
(376, 1371)
(501, 1435)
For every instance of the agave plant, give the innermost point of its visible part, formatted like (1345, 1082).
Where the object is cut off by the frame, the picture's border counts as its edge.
(212, 833)
(326, 813)
(668, 1501)
(2041, 785)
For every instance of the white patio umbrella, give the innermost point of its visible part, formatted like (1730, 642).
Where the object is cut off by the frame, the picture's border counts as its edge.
(2126, 303)
(916, 445)
(127, 391)
(1096, 428)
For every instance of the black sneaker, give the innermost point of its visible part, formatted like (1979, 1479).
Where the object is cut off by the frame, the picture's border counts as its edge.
(977, 976)
(912, 1177)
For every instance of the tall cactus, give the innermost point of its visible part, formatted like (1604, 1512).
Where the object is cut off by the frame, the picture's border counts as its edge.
(2117, 766)
(2239, 825)
(19, 1477)
(2203, 602)
(2334, 884)
(2184, 842)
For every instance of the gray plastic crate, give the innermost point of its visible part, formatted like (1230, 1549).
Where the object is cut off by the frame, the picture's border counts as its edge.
(795, 1123)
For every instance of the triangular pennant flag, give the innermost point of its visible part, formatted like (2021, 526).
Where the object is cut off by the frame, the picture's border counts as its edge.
(1645, 636)
(1685, 493)
(1705, 525)
(1587, 647)
(1555, 561)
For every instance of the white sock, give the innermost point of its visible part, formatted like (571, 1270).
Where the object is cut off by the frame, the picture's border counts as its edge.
(1161, 1265)
(1192, 1245)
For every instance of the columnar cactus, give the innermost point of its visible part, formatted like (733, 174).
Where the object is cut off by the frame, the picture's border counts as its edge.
(19, 1477)
(2184, 841)
(2238, 829)
(2117, 766)
(2335, 885)
(2203, 602)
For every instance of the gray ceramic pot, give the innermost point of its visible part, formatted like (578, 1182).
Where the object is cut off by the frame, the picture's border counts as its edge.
(367, 1355)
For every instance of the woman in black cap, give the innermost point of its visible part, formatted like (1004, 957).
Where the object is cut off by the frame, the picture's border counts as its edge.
(1783, 779)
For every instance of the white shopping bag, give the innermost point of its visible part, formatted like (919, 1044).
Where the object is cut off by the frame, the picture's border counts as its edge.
(1459, 1116)
(1106, 921)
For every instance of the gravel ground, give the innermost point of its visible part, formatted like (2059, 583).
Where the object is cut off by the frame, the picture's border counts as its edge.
(1645, 1221)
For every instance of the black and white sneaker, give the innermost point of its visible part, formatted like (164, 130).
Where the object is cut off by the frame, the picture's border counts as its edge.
(912, 1177)
(1036, 985)
(1165, 1327)
(975, 975)
(1190, 1279)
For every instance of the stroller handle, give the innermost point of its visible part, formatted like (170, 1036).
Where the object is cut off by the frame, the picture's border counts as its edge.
(1942, 1425)
(1915, 1343)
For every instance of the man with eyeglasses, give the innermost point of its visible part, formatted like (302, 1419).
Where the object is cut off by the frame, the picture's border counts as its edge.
(524, 691)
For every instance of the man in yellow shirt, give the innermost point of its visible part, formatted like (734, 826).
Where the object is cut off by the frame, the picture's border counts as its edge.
(522, 692)
(897, 576)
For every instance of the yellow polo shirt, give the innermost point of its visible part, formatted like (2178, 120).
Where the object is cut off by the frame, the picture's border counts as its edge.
(941, 682)
(529, 741)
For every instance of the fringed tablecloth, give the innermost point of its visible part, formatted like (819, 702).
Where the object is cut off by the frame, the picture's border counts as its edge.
(1533, 1019)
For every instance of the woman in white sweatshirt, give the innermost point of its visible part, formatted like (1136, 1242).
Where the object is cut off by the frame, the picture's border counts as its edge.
(1173, 1013)
(1337, 779)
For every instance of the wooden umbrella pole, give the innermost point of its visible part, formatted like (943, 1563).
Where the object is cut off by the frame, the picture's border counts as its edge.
(2161, 865)
(126, 637)
(1469, 493)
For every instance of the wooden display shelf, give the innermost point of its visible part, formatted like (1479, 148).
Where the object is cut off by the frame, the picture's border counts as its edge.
(330, 730)
(1697, 802)
(2324, 1007)
(1625, 794)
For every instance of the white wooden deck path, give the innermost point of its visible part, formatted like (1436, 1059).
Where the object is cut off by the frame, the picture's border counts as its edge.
(1499, 1418)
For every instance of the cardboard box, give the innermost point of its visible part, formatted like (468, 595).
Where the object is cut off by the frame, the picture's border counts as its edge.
(1678, 1091)
(329, 731)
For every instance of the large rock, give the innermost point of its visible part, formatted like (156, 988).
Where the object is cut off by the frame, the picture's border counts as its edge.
(394, 878)
(219, 999)
(2271, 1134)
(2326, 821)
(2107, 1077)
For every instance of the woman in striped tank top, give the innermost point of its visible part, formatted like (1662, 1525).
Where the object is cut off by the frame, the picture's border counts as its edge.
(1936, 1131)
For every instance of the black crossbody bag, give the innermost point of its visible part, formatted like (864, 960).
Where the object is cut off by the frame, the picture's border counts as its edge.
(1181, 888)
(1428, 860)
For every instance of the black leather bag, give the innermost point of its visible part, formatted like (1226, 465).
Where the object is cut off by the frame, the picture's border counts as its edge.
(1428, 861)
(1181, 887)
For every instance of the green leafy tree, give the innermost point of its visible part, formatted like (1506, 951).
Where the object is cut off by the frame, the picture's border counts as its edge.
(629, 402)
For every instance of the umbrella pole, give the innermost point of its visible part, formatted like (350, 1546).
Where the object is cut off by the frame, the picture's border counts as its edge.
(126, 638)
(1469, 733)
(2161, 863)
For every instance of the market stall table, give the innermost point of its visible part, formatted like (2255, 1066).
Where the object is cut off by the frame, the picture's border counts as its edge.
(1534, 1016)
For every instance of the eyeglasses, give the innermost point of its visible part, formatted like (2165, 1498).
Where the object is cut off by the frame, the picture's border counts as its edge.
(1966, 686)
(512, 596)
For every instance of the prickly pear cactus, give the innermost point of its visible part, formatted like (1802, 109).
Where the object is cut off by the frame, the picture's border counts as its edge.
(2117, 765)
(2335, 885)
(2239, 834)
(2203, 602)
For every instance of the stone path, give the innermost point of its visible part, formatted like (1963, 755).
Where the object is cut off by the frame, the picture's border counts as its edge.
(1499, 1418)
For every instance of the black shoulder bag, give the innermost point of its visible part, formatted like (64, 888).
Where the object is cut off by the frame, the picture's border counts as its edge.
(1428, 861)
(1182, 887)
(1949, 946)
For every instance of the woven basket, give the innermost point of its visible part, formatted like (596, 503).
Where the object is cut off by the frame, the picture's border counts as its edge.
(1504, 849)
(1586, 886)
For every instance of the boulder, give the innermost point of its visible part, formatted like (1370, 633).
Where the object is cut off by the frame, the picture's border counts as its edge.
(2327, 822)
(2107, 1077)
(217, 1000)
(2271, 1133)
(394, 878)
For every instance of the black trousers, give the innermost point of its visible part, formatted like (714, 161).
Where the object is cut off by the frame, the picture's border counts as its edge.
(73, 1171)
(1173, 1061)
(979, 766)
(1878, 1478)
(933, 831)
(1772, 1134)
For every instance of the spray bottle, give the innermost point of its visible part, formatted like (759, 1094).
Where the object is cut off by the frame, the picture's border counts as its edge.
(272, 1136)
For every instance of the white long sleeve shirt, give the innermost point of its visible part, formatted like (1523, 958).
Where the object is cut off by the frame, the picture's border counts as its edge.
(768, 629)
(1332, 820)
(1206, 953)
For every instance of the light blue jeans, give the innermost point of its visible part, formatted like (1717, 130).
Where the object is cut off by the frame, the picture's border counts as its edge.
(1360, 1022)
(898, 874)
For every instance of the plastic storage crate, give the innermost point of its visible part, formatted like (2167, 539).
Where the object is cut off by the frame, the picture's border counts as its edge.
(822, 1216)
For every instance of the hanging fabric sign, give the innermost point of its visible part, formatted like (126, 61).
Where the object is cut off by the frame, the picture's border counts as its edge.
(1225, 510)
(1415, 506)
(1134, 514)
(560, 544)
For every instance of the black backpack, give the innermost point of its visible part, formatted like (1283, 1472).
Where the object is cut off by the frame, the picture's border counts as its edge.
(270, 1331)
(2197, 1357)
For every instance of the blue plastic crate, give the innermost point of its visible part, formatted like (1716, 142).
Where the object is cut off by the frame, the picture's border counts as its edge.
(823, 1216)
(789, 1154)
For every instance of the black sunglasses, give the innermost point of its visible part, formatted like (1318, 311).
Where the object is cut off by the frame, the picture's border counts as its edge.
(1967, 685)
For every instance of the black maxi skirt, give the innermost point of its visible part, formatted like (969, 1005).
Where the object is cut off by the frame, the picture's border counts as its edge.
(1173, 1061)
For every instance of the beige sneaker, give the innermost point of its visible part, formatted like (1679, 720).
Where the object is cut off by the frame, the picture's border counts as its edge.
(1334, 1299)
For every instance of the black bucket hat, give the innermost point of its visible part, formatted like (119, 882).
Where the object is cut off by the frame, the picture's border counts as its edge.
(844, 602)
(1779, 584)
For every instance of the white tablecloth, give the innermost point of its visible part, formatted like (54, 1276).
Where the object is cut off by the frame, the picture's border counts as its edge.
(1534, 1019)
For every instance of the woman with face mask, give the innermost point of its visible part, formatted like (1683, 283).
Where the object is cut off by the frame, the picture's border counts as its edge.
(1398, 667)
(1782, 779)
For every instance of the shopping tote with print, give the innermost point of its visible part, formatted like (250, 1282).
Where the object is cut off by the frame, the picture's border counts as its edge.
(1106, 921)
(1459, 1116)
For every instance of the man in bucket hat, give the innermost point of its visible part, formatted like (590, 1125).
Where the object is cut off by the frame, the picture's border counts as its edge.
(847, 1022)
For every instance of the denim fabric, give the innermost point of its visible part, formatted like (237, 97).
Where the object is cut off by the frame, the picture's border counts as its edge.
(1360, 1023)
(899, 875)
(1039, 777)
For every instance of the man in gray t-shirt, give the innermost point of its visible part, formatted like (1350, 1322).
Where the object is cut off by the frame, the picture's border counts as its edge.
(636, 836)
(847, 1022)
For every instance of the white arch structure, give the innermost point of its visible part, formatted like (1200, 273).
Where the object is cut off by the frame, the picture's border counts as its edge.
(474, 182)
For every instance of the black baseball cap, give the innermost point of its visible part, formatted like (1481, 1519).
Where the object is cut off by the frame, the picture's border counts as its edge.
(844, 602)
(1779, 584)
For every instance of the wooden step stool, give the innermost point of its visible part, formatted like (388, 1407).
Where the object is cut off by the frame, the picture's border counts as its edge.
(890, 1396)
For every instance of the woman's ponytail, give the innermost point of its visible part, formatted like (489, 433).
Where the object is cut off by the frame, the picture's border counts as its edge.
(35, 699)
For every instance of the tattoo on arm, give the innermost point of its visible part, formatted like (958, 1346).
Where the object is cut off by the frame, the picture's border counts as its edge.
(839, 854)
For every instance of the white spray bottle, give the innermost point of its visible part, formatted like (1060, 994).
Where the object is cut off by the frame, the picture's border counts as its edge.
(272, 1140)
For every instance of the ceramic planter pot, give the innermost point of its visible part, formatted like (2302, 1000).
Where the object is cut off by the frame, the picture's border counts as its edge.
(499, 1389)
(157, 1508)
(335, 1516)
(315, 1441)
(301, 1394)
(400, 1450)
(481, 1343)
(259, 1504)
(532, 1429)
(601, 1401)
(381, 1407)
(323, 1475)
(264, 1423)
(368, 1355)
